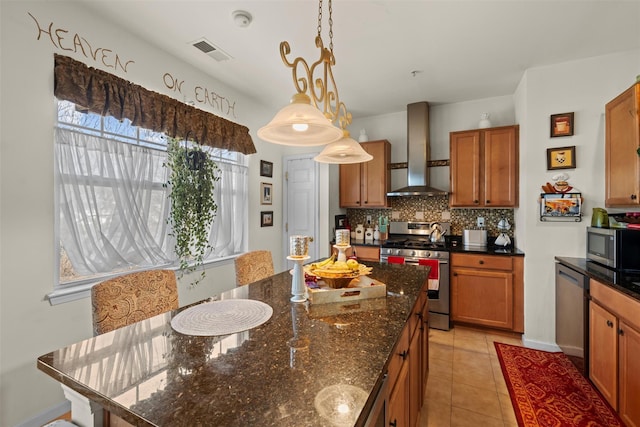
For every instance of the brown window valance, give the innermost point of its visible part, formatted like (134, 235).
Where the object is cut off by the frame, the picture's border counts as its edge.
(108, 95)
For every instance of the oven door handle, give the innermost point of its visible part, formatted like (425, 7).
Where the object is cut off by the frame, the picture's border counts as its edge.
(416, 261)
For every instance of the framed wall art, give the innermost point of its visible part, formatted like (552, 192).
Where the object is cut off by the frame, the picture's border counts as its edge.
(266, 191)
(561, 124)
(266, 169)
(561, 158)
(266, 219)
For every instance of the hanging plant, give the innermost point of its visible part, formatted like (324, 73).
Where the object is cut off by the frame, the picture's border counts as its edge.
(192, 181)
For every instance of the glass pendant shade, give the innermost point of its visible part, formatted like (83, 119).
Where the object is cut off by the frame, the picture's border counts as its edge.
(300, 124)
(344, 151)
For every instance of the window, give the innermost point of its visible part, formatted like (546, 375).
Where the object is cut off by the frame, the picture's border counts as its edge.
(112, 203)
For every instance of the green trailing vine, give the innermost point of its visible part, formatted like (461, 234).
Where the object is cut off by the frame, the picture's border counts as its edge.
(191, 183)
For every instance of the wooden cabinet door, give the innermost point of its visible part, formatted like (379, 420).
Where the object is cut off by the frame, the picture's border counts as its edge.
(603, 352)
(501, 167)
(415, 396)
(622, 139)
(424, 351)
(375, 174)
(367, 184)
(464, 161)
(350, 184)
(629, 375)
(399, 399)
(482, 297)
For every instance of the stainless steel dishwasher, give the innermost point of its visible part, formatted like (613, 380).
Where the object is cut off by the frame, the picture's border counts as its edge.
(572, 315)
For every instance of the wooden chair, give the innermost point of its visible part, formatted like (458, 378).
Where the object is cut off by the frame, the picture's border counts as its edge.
(253, 266)
(127, 299)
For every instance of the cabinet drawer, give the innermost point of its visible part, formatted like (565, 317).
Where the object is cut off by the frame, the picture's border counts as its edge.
(395, 364)
(482, 261)
(625, 307)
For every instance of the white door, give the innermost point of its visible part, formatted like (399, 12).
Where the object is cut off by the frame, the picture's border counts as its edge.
(301, 202)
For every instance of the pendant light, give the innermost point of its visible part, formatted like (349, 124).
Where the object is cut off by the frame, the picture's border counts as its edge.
(302, 122)
(344, 151)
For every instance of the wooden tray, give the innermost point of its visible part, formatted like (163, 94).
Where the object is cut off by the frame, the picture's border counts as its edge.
(362, 287)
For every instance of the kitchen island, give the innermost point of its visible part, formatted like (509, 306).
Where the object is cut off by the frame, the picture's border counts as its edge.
(308, 365)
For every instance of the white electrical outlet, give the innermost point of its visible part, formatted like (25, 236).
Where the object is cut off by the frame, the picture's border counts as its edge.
(368, 219)
(480, 222)
(419, 215)
(395, 215)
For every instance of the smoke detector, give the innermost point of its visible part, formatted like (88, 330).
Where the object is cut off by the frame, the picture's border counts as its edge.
(242, 18)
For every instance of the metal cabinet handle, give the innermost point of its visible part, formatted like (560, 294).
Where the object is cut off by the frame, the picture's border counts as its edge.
(393, 423)
(633, 197)
(476, 202)
(403, 354)
(481, 262)
(610, 323)
(620, 332)
(488, 201)
(455, 274)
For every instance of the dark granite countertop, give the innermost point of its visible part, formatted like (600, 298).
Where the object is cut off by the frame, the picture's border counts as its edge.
(627, 283)
(278, 374)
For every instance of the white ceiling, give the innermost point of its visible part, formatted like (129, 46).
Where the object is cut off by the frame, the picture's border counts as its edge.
(461, 50)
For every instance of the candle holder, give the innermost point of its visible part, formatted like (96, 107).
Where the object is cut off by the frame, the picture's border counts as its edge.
(342, 256)
(298, 288)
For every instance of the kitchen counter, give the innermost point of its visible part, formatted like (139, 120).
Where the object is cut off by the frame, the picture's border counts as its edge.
(282, 373)
(488, 250)
(628, 284)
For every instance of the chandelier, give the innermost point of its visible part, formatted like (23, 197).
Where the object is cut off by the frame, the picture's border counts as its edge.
(308, 119)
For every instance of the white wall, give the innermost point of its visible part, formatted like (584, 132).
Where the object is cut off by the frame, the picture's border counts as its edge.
(29, 325)
(583, 87)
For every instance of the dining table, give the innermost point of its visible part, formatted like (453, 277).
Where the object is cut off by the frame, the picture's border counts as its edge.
(246, 357)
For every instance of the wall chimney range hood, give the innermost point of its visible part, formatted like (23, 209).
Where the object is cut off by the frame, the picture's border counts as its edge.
(418, 154)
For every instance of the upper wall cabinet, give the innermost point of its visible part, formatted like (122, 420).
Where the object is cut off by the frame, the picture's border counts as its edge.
(484, 167)
(365, 185)
(622, 142)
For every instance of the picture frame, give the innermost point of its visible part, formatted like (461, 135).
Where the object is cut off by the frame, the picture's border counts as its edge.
(266, 168)
(562, 125)
(266, 193)
(561, 206)
(341, 222)
(266, 219)
(561, 158)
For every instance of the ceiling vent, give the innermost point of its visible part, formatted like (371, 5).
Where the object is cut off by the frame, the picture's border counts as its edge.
(210, 49)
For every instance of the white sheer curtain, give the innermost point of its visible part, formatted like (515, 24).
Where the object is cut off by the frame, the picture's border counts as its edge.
(227, 233)
(113, 205)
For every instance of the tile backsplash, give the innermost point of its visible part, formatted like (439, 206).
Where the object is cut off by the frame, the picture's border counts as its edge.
(430, 209)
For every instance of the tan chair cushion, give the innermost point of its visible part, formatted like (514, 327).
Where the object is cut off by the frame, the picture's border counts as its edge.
(253, 266)
(133, 297)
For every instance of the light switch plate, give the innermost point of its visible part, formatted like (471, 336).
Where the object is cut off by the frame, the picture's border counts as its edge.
(419, 215)
(395, 215)
(480, 221)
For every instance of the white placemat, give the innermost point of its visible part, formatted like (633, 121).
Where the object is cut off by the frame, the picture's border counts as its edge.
(221, 317)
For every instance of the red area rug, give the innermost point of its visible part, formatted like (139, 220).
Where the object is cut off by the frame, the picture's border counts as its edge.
(546, 389)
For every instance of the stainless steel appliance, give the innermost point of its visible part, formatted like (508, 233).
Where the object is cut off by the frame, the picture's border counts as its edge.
(411, 242)
(572, 315)
(616, 248)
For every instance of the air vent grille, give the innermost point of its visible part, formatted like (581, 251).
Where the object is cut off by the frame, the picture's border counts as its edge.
(210, 49)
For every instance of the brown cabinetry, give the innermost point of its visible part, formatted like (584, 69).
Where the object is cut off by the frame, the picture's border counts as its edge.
(407, 368)
(622, 140)
(614, 345)
(487, 290)
(484, 167)
(365, 185)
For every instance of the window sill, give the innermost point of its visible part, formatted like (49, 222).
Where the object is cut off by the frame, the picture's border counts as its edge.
(83, 290)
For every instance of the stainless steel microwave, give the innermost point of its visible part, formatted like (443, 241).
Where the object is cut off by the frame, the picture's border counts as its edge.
(616, 248)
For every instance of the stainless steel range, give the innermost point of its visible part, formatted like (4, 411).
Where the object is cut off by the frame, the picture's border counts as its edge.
(411, 242)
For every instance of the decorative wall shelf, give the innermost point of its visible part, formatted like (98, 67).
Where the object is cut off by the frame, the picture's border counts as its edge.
(561, 207)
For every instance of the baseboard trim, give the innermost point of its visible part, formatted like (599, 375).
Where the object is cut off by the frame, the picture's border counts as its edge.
(540, 345)
(47, 415)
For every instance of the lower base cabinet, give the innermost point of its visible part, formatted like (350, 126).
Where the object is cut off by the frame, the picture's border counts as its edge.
(614, 346)
(408, 368)
(488, 290)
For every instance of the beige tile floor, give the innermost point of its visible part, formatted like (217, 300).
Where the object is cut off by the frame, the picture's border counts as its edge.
(465, 385)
